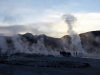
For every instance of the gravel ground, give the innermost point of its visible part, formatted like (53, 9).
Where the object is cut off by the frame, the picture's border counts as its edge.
(48, 65)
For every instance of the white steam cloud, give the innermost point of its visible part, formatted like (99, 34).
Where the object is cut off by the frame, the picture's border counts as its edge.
(70, 20)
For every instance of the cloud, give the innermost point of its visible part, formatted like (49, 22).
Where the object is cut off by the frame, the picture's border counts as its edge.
(11, 30)
(16, 12)
(48, 28)
(21, 16)
(87, 22)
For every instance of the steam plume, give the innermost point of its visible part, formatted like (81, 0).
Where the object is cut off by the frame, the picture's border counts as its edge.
(70, 20)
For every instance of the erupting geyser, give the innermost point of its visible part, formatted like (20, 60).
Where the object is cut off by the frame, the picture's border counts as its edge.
(70, 20)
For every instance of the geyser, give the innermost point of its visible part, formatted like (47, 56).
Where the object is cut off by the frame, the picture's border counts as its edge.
(70, 20)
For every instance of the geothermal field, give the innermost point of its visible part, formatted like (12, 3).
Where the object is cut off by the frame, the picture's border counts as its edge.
(73, 54)
(49, 37)
(30, 54)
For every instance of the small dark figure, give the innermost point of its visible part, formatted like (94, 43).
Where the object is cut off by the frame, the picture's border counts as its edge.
(76, 53)
(65, 53)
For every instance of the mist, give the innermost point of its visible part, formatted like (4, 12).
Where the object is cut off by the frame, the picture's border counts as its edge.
(70, 21)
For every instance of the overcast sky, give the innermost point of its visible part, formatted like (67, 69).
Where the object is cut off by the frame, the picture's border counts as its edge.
(45, 16)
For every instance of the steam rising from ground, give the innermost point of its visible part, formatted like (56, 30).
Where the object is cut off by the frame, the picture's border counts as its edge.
(70, 20)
